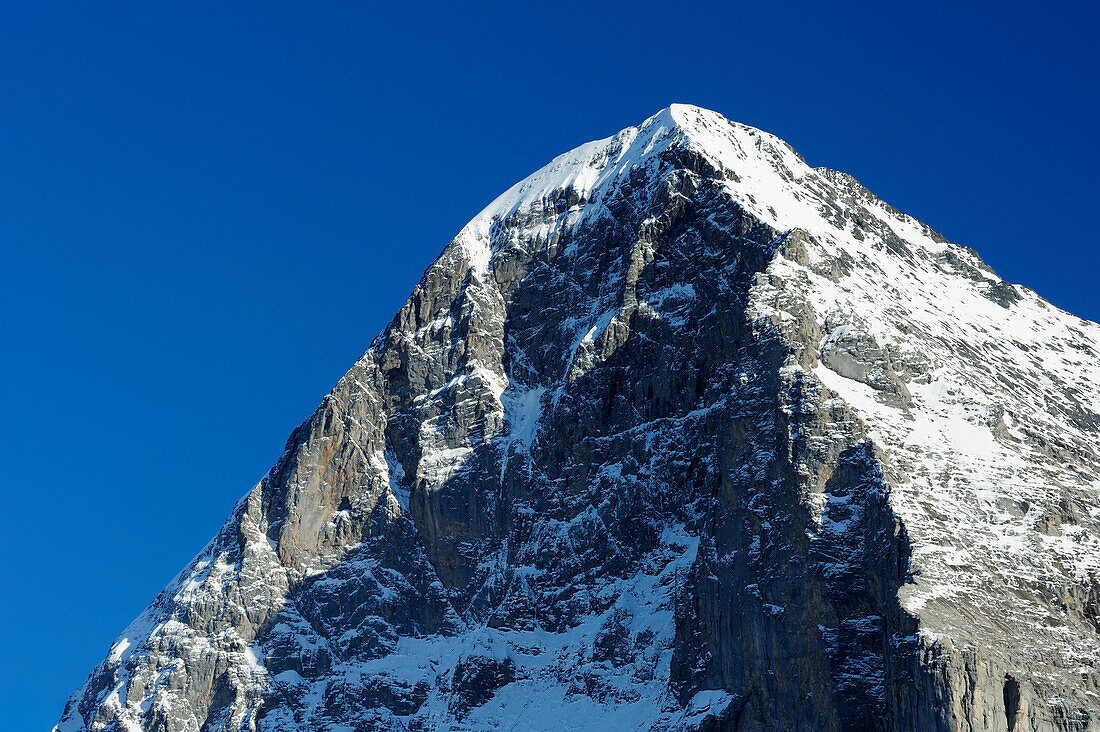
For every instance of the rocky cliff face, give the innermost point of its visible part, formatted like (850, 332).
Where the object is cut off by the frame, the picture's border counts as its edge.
(678, 433)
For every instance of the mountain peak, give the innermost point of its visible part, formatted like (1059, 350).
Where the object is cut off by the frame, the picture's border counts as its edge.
(678, 434)
(692, 118)
(594, 166)
(760, 172)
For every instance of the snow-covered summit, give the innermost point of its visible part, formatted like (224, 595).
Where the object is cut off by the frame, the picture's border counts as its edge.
(763, 172)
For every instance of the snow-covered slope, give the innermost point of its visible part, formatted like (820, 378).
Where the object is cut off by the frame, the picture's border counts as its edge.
(678, 433)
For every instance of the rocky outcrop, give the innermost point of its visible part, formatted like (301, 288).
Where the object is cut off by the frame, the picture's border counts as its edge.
(679, 433)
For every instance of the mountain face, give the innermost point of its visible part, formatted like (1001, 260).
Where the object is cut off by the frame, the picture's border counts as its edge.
(679, 433)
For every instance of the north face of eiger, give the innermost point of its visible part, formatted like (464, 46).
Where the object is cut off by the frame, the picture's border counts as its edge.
(677, 434)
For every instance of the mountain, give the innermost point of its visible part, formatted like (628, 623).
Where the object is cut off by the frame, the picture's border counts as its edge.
(679, 433)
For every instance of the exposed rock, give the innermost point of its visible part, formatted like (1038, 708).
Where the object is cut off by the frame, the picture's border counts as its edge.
(855, 355)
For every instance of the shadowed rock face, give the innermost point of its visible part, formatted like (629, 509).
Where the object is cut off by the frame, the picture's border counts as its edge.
(679, 433)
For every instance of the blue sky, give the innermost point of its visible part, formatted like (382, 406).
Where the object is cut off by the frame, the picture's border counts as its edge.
(207, 211)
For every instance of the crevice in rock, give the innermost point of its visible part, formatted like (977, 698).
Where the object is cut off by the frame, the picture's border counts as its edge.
(1011, 695)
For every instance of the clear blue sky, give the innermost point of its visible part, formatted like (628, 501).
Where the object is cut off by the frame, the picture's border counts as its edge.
(207, 212)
